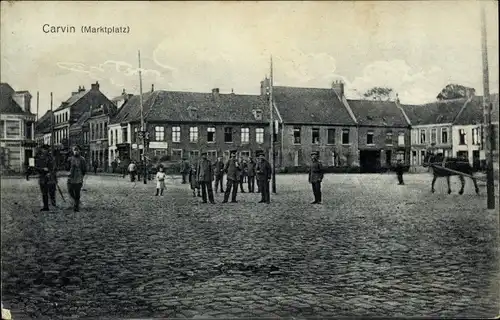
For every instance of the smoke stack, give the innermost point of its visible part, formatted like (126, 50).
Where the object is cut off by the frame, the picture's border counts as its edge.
(338, 87)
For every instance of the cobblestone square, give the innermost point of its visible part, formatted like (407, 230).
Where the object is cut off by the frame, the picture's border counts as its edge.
(374, 248)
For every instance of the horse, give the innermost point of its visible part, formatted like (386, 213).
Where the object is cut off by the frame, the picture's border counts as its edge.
(439, 163)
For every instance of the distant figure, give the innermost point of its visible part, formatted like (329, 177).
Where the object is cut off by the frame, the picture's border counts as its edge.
(219, 174)
(251, 174)
(399, 171)
(232, 169)
(316, 177)
(243, 173)
(114, 165)
(96, 165)
(132, 169)
(205, 178)
(77, 171)
(47, 179)
(263, 171)
(193, 180)
(184, 170)
(160, 181)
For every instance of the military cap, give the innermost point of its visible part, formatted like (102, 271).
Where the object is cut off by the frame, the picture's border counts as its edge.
(233, 151)
(315, 153)
(259, 153)
(45, 147)
(204, 153)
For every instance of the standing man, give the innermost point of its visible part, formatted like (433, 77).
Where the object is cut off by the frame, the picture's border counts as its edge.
(184, 170)
(251, 175)
(47, 179)
(232, 169)
(132, 169)
(242, 173)
(205, 178)
(399, 171)
(75, 179)
(219, 174)
(316, 176)
(263, 170)
(96, 165)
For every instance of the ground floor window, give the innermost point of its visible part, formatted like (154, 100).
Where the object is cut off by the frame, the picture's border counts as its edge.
(176, 154)
(244, 154)
(400, 156)
(212, 155)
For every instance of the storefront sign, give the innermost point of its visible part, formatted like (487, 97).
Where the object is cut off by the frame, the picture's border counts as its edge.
(158, 145)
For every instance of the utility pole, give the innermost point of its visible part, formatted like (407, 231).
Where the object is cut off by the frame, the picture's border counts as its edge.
(37, 104)
(143, 129)
(271, 129)
(490, 183)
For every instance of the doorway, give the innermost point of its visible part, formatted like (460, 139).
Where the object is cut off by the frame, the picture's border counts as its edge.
(369, 161)
(476, 162)
(388, 158)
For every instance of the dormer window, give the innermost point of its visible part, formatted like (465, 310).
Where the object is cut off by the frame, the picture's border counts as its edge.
(257, 114)
(193, 112)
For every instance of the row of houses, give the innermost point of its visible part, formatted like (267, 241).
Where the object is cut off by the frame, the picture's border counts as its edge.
(347, 133)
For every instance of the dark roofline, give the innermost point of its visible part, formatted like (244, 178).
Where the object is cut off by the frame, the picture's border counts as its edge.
(319, 124)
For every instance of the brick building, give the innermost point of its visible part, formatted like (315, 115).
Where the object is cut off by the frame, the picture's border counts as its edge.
(98, 121)
(79, 135)
(17, 129)
(383, 134)
(314, 119)
(183, 124)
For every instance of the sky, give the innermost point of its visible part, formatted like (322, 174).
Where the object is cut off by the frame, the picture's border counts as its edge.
(414, 47)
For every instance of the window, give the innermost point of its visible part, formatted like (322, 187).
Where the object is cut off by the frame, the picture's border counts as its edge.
(388, 138)
(105, 133)
(111, 137)
(462, 136)
(463, 155)
(414, 136)
(211, 134)
(176, 135)
(228, 134)
(400, 156)
(124, 134)
(369, 137)
(245, 135)
(176, 154)
(345, 136)
(422, 136)
(159, 133)
(444, 135)
(259, 135)
(136, 136)
(401, 139)
(330, 136)
(258, 114)
(245, 154)
(212, 155)
(2, 128)
(422, 156)
(476, 136)
(433, 135)
(194, 154)
(296, 135)
(315, 135)
(193, 134)
(13, 129)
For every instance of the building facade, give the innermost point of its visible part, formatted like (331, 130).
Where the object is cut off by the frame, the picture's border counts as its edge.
(17, 129)
(98, 128)
(79, 135)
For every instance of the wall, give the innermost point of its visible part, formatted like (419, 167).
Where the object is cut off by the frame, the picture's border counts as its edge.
(469, 147)
(416, 146)
(379, 142)
(342, 154)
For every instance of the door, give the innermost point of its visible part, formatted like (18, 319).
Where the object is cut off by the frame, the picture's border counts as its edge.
(388, 158)
(476, 162)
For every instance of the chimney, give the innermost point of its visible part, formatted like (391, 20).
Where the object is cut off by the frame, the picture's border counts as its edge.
(338, 87)
(95, 86)
(81, 89)
(215, 93)
(23, 99)
(152, 88)
(264, 87)
(124, 93)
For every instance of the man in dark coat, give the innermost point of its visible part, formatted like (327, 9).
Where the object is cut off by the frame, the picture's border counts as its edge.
(219, 174)
(243, 173)
(47, 179)
(399, 171)
(184, 170)
(316, 177)
(78, 169)
(205, 177)
(251, 174)
(96, 165)
(263, 171)
(232, 170)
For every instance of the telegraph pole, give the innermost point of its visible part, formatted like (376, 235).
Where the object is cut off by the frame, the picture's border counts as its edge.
(490, 183)
(143, 129)
(37, 104)
(271, 129)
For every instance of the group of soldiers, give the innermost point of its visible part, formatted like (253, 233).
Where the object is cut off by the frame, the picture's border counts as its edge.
(45, 166)
(201, 175)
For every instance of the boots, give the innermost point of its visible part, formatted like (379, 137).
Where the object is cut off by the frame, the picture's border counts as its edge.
(161, 192)
(157, 191)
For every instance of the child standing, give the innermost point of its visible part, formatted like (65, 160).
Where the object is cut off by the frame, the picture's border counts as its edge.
(160, 181)
(194, 181)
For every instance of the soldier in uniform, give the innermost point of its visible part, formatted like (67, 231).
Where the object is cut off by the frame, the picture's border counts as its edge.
(263, 171)
(399, 171)
(219, 174)
(232, 169)
(77, 170)
(251, 175)
(315, 177)
(243, 173)
(184, 170)
(205, 177)
(45, 166)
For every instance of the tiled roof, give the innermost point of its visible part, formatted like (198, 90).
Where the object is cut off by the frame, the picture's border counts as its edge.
(72, 100)
(80, 122)
(310, 106)
(472, 113)
(43, 124)
(7, 104)
(438, 112)
(377, 113)
(175, 107)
